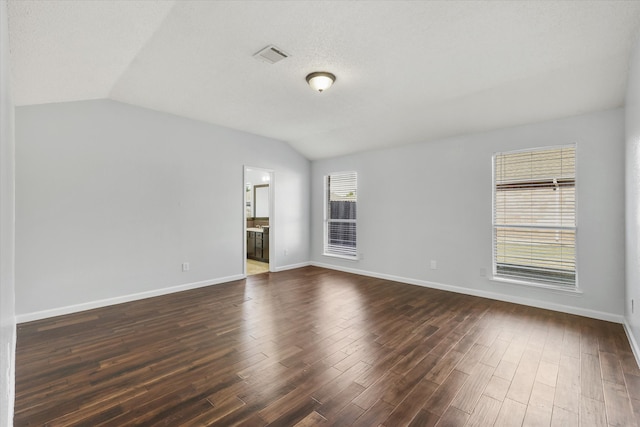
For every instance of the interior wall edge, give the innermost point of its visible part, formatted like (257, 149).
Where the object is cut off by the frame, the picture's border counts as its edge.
(632, 340)
(562, 308)
(8, 332)
(632, 198)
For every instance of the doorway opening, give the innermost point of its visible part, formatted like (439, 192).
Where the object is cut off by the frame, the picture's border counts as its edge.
(258, 186)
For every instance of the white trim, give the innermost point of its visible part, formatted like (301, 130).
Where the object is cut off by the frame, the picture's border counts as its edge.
(327, 220)
(272, 217)
(11, 380)
(244, 220)
(347, 257)
(571, 290)
(600, 315)
(28, 317)
(494, 267)
(292, 266)
(632, 341)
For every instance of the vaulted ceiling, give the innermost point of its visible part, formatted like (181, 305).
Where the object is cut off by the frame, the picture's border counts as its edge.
(407, 71)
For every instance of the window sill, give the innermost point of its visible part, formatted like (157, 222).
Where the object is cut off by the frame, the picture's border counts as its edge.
(348, 258)
(553, 288)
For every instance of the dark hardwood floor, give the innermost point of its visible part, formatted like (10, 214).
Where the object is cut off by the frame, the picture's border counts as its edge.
(314, 347)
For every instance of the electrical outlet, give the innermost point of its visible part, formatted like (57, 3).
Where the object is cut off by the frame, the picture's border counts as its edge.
(185, 266)
(286, 252)
(434, 264)
(483, 272)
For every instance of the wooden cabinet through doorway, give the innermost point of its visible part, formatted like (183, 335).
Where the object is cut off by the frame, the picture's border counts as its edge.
(258, 245)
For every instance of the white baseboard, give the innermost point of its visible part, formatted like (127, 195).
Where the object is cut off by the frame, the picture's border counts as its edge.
(632, 341)
(292, 266)
(28, 317)
(10, 394)
(609, 317)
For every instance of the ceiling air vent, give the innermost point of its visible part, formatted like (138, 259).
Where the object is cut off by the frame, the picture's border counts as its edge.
(271, 54)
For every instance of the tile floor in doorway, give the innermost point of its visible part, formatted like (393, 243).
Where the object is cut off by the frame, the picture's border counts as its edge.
(256, 267)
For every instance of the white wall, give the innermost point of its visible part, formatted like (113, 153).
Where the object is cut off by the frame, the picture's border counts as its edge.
(111, 199)
(432, 201)
(7, 292)
(632, 125)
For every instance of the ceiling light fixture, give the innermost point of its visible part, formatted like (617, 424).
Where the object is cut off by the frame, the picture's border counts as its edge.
(320, 80)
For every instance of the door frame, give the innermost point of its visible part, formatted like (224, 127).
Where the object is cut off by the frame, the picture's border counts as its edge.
(272, 218)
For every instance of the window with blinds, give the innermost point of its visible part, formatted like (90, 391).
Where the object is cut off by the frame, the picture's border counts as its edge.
(340, 214)
(534, 215)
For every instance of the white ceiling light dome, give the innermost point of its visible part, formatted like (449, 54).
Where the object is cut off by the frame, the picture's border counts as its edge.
(320, 80)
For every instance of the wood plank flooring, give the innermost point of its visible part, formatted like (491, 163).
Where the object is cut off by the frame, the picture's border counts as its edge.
(315, 347)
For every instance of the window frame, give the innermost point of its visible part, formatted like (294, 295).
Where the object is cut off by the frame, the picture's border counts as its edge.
(528, 281)
(327, 220)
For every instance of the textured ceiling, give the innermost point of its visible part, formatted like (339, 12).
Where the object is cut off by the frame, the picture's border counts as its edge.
(407, 71)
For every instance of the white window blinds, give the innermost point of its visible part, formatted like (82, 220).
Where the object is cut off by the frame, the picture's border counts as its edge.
(534, 217)
(340, 214)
